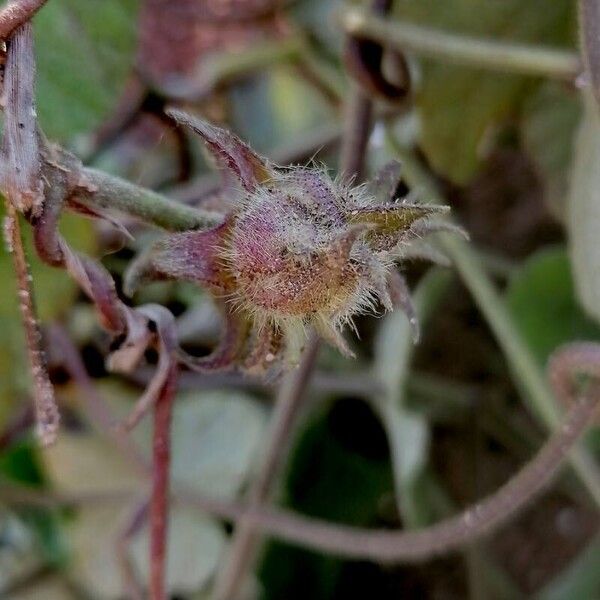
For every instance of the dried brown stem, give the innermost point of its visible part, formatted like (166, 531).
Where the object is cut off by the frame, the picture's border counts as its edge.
(46, 411)
(37, 180)
(15, 13)
(359, 121)
(21, 182)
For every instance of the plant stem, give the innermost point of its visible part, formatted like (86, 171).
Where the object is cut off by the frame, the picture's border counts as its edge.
(450, 534)
(358, 123)
(15, 13)
(393, 351)
(460, 49)
(288, 402)
(159, 504)
(383, 546)
(106, 192)
(527, 374)
(46, 411)
(132, 588)
(589, 41)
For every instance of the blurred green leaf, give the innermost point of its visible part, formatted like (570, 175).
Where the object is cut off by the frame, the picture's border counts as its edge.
(580, 580)
(282, 105)
(549, 123)
(20, 464)
(542, 301)
(339, 470)
(459, 106)
(85, 50)
(196, 544)
(216, 436)
(318, 17)
(19, 553)
(407, 430)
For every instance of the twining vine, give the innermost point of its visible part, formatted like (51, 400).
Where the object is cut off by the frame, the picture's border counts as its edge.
(309, 228)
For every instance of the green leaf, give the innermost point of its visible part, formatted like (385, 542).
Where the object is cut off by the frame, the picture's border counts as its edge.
(282, 106)
(19, 553)
(339, 471)
(85, 50)
(542, 301)
(580, 580)
(196, 544)
(215, 439)
(407, 430)
(20, 463)
(458, 105)
(549, 124)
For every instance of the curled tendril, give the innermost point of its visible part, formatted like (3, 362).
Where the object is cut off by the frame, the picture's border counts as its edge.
(364, 61)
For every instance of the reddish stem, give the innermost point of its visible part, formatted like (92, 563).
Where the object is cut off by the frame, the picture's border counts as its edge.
(46, 412)
(159, 505)
(17, 12)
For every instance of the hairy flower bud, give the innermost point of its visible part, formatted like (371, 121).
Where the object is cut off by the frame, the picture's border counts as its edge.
(296, 249)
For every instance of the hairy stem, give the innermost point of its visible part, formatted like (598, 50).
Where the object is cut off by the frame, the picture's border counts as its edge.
(589, 40)
(46, 412)
(578, 358)
(450, 534)
(106, 192)
(382, 546)
(460, 49)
